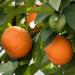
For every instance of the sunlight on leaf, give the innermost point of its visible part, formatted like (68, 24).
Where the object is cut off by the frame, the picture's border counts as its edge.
(55, 4)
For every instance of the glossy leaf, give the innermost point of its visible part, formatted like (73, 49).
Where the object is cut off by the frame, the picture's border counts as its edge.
(47, 9)
(39, 45)
(69, 69)
(64, 3)
(8, 68)
(21, 69)
(69, 13)
(55, 4)
(30, 70)
(29, 3)
(40, 17)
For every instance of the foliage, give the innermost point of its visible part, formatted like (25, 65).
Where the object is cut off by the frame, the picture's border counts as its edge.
(42, 34)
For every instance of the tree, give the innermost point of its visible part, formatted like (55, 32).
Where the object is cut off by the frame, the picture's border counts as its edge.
(53, 17)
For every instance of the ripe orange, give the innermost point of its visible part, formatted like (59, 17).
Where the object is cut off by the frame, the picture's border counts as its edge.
(16, 41)
(59, 51)
(31, 17)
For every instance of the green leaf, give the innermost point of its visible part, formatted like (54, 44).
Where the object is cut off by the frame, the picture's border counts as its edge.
(31, 70)
(64, 3)
(40, 17)
(8, 68)
(73, 0)
(55, 4)
(25, 60)
(69, 13)
(42, 9)
(72, 38)
(5, 3)
(48, 70)
(1, 1)
(11, 12)
(39, 56)
(73, 44)
(69, 69)
(4, 58)
(29, 3)
(2, 18)
(69, 29)
(21, 69)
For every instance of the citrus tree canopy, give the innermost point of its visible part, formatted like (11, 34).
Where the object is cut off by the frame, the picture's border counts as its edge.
(37, 35)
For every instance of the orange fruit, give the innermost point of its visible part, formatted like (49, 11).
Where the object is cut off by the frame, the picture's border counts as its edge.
(31, 17)
(59, 51)
(16, 41)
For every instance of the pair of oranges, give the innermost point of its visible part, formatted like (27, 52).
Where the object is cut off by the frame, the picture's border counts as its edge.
(17, 43)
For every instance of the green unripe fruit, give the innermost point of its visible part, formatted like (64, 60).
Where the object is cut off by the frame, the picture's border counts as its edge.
(57, 22)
